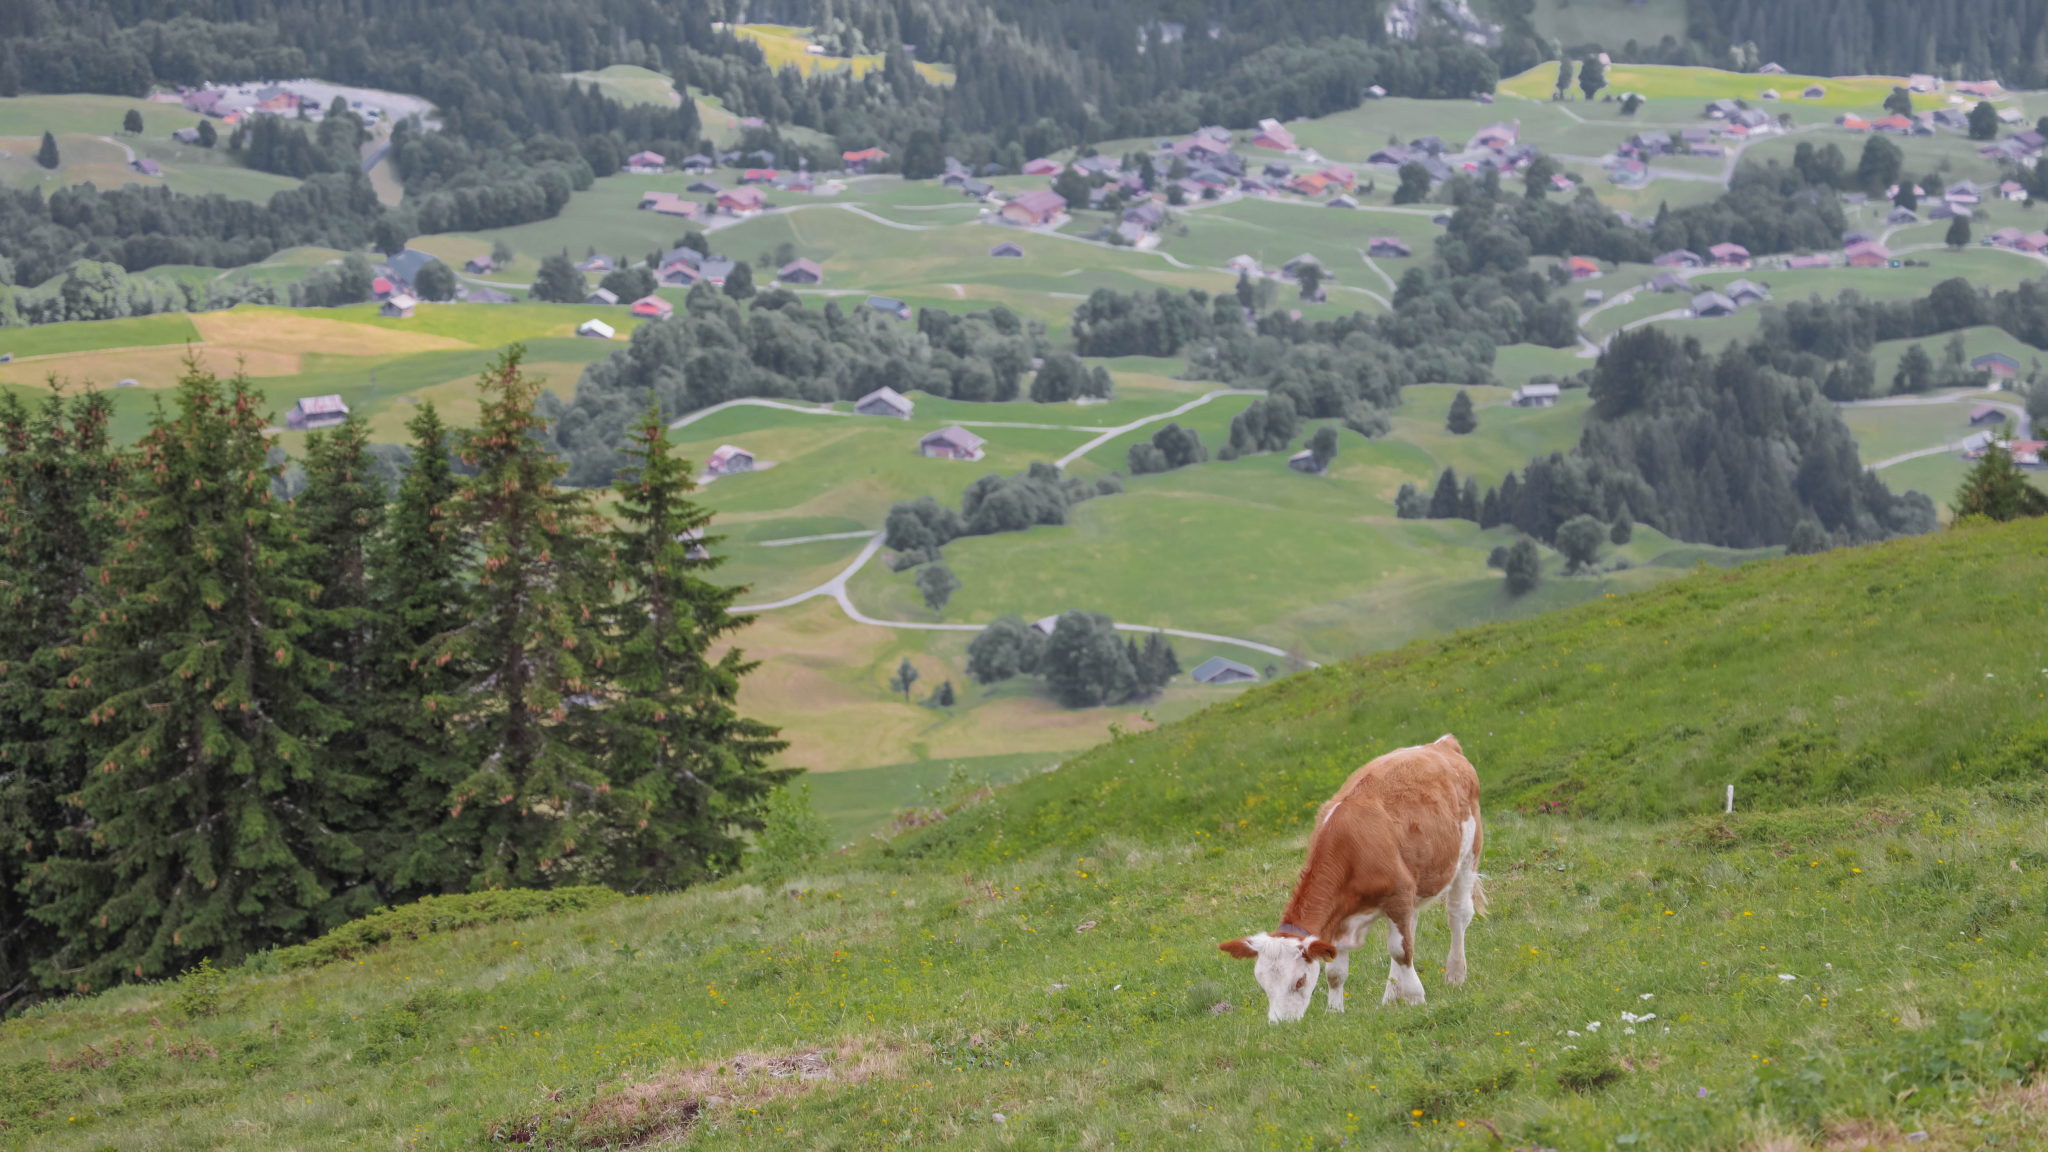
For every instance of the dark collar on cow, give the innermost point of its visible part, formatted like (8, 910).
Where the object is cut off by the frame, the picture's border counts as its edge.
(1293, 930)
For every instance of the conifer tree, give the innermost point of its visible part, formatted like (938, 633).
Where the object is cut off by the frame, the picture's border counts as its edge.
(415, 848)
(693, 773)
(213, 809)
(339, 514)
(1462, 422)
(527, 659)
(59, 483)
(47, 154)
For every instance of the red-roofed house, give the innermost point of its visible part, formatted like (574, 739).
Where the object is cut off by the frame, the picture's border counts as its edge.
(1311, 184)
(1733, 254)
(1582, 268)
(1272, 135)
(859, 161)
(2033, 242)
(1041, 167)
(740, 200)
(1894, 123)
(1869, 254)
(645, 162)
(380, 287)
(1854, 123)
(1038, 207)
(759, 176)
(1338, 174)
(729, 458)
(653, 307)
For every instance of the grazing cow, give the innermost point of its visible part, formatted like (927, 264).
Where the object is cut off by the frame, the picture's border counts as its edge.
(1402, 833)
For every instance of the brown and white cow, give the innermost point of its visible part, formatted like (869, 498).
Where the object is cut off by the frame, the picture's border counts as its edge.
(1401, 834)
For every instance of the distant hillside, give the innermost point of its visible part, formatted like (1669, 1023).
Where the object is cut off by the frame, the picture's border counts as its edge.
(1800, 680)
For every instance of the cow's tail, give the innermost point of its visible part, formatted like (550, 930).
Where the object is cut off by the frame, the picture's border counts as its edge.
(1479, 895)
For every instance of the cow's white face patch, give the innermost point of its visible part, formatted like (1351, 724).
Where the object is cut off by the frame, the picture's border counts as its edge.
(1287, 975)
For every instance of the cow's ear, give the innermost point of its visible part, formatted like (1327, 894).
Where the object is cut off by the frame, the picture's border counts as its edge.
(1239, 949)
(1319, 950)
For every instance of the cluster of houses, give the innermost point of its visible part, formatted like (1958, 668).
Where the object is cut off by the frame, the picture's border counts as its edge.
(1732, 298)
(233, 103)
(1494, 148)
(2032, 243)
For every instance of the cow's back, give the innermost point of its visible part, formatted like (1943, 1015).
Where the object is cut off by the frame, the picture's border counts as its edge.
(1420, 798)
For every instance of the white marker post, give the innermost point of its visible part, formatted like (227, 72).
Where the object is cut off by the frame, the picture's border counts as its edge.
(1731, 800)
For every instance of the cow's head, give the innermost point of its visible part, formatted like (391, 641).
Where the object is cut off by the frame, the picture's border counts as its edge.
(1286, 967)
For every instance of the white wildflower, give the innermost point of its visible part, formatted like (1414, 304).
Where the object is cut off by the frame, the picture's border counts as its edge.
(1593, 1027)
(1787, 976)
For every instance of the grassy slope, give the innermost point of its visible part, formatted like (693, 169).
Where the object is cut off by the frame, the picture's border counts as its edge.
(943, 992)
(79, 120)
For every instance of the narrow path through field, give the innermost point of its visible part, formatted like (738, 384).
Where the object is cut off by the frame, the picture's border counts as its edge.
(1113, 433)
(836, 589)
(811, 410)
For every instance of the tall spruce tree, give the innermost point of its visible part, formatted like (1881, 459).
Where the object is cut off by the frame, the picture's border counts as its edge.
(60, 482)
(339, 514)
(527, 660)
(212, 808)
(417, 564)
(689, 770)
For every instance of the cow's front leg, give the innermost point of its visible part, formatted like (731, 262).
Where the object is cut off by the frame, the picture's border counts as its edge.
(1335, 972)
(1402, 982)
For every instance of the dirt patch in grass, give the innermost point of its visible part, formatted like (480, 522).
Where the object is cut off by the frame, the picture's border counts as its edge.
(662, 1108)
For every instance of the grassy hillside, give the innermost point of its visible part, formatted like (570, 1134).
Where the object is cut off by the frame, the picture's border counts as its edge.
(1040, 970)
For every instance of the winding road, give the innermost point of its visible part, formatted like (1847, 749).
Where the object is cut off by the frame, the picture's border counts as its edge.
(836, 589)
(2017, 412)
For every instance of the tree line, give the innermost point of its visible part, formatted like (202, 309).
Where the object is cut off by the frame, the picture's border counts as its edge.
(1716, 449)
(1083, 661)
(230, 720)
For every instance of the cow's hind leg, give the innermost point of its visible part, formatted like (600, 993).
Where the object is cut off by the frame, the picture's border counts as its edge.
(1335, 973)
(1460, 909)
(1402, 982)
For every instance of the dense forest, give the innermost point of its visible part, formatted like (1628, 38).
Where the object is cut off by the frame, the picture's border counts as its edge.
(2005, 40)
(230, 721)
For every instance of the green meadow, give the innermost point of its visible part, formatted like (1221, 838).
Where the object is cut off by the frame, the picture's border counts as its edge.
(1850, 957)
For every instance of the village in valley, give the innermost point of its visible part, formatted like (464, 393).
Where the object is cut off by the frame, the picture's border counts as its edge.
(1308, 219)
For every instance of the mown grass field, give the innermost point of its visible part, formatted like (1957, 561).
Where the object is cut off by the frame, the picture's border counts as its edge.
(784, 47)
(86, 126)
(1852, 956)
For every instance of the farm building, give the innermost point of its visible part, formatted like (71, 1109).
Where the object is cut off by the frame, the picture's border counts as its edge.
(381, 287)
(1305, 461)
(477, 264)
(1984, 415)
(598, 264)
(1666, 281)
(801, 272)
(859, 161)
(1218, 670)
(1041, 167)
(884, 401)
(1582, 268)
(1035, 208)
(1997, 364)
(670, 204)
(714, 269)
(1868, 254)
(146, 166)
(1734, 254)
(399, 307)
(1341, 200)
(740, 200)
(646, 162)
(1595, 296)
(1679, 258)
(405, 265)
(186, 135)
(1006, 249)
(705, 188)
(955, 443)
(1711, 304)
(1746, 292)
(729, 458)
(316, 412)
(1273, 136)
(1535, 396)
(1899, 216)
(603, 297)
(1821, 261)
(1949, 210)
(1964, 192)
(1387, 246)
(1815, 92)
(890, 306)
(595, 329)
(653, 307)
